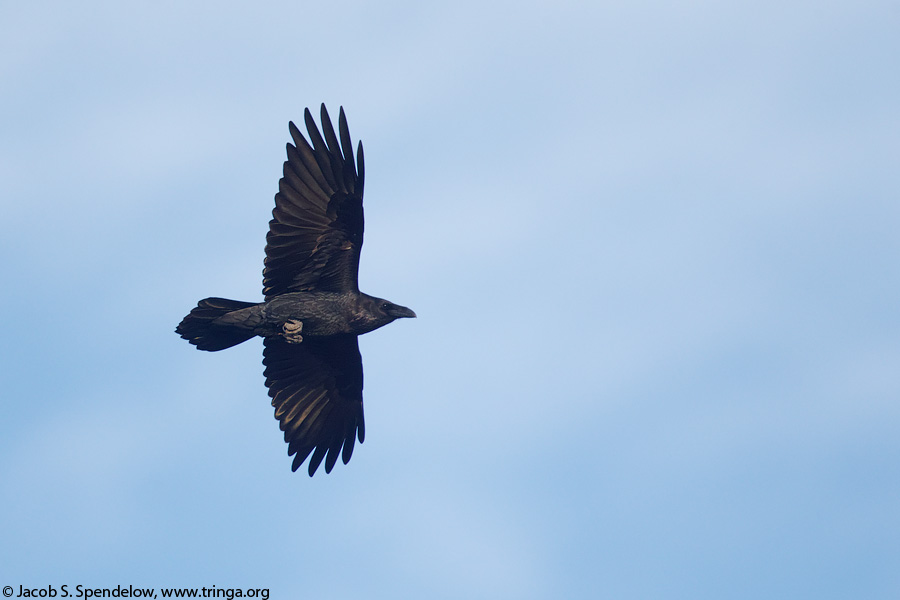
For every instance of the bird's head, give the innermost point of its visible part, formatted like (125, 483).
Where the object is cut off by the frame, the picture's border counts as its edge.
(378, 312)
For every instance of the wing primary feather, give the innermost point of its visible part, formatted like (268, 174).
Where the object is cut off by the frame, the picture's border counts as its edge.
(301, 455)
(334, 151)
(308, 159)
(346, 143)
(321, 155)
(360, 169)
(344, 172)
(349, 441)
(333, 452)
(334, 148)
(316, 459)
(315, 138)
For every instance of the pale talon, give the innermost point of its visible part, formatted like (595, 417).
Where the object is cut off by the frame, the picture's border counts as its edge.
(292, 331)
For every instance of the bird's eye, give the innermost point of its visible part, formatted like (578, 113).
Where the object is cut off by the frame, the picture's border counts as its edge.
(385, 305)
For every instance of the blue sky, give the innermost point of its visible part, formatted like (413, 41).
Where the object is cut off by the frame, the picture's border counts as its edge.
(653, 250)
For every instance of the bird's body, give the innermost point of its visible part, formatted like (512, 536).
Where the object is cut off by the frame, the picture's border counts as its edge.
(313, 310)
(323, 314)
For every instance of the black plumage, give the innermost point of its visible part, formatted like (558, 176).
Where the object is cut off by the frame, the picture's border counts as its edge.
(313, 311)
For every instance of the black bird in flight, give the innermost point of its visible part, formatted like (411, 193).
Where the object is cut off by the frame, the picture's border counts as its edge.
(313, 311)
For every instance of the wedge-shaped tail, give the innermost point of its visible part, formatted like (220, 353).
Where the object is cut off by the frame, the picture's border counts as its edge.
(205, 328)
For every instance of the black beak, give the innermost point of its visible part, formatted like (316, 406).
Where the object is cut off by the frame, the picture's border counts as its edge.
(399, 312)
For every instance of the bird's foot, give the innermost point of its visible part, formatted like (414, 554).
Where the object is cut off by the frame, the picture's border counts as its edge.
(292, 331)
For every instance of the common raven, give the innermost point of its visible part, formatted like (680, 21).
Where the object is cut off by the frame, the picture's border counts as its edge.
(313, 311)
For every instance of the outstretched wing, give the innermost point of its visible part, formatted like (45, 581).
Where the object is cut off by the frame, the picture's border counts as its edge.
(316, 389)
(316, 230)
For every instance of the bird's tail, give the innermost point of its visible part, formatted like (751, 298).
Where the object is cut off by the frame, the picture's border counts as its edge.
(205, 328)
